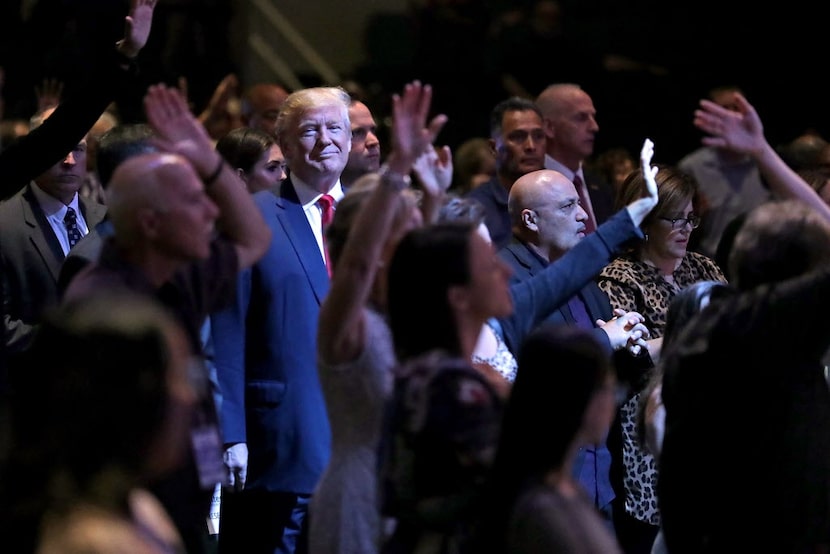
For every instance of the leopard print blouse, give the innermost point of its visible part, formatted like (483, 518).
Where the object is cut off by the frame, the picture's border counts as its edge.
(636, 286)
(633, 285)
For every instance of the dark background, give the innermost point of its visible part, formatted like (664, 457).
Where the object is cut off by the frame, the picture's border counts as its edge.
(776, 55)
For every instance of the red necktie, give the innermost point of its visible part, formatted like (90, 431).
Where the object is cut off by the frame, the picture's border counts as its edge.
(582, 190)
(326, 203)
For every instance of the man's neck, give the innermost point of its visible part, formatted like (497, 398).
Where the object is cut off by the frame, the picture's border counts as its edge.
(568, 160)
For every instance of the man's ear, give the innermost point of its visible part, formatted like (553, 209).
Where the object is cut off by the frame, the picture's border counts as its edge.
(148, 222)
(530, 219)
(550, 130)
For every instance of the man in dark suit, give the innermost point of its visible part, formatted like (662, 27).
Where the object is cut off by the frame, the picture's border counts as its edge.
(34, 241)
(571, 128)
(548, 221)
(517, 138)
(273, 414)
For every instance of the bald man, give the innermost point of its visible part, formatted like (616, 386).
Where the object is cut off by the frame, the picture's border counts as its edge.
(261, 105)
(548, 221)
(164, 208)
(571, 127)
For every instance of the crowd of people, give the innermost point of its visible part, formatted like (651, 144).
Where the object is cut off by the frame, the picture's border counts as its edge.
(353, 345)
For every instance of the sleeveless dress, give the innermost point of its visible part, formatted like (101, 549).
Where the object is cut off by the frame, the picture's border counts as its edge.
(344, 515)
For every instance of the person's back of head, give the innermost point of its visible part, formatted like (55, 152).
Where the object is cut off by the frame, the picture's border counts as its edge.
(120, 143)
(337, 232)
(244, 146)
(106, 411)
(473, 163)
(724, 96)
(260, 105)
(138, 187)
(615, 165)
(804, 151)
(426, 264)
(778, 241)
(561, 368)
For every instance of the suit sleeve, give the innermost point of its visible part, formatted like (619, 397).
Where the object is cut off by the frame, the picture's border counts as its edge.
(534, 298)
(32, 154)
(227, 334)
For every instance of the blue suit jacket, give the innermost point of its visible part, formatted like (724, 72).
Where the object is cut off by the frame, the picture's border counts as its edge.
(578, 267)
(265, 351)
(538, 293)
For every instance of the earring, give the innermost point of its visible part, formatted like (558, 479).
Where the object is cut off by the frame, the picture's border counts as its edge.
(646, 237)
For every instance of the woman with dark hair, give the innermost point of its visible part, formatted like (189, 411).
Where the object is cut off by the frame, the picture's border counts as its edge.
(256, 157)
(651, 414)
(106, 413)
(354, 346)
(444, 417)
(537, 504)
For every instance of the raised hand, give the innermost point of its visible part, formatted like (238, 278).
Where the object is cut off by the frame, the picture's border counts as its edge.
(48, 94)
(649, 171)
(137, 27)
(177, 129)
(740, 131)
(433, 170)
(642, 206)
(410, 133)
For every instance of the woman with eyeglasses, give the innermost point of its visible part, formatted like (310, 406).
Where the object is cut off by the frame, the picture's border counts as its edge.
(645, 279)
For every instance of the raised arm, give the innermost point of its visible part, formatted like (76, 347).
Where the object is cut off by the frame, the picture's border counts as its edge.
(180, 132)
(433, 172)
(32, 154)
(742, 131)
(341, 326)
(638, 209)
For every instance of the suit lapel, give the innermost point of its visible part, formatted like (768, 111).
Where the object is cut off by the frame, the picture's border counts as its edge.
(43, 239)
(291, 216)
(92, 211)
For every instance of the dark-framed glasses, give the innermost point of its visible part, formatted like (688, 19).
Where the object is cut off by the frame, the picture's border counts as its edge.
(680, 222)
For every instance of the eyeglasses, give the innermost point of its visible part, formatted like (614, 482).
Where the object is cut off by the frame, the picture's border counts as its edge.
(680, 222)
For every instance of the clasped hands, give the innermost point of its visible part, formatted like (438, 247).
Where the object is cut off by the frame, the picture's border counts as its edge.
(626, 330)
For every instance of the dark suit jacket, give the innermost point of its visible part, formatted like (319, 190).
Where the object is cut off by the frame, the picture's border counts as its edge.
(493, 196)
(601, 193)
(525, 264)
(536, 294)
(32, 154)
(30, 261)
(593, 465)
(266, 357)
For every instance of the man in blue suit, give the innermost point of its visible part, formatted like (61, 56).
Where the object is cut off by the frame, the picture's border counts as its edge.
(273, 414)
(547, 221)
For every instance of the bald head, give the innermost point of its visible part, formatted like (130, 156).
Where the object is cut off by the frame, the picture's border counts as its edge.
(141, 183)
(545, 212)
(261, 105)
(535, 189)
(570, 123)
